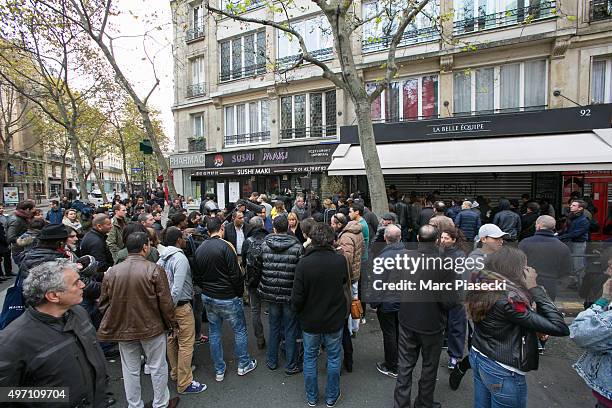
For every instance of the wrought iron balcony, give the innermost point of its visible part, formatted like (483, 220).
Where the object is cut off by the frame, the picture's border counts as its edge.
(194, 90)
(522, 15)
(601, 10)
(324, 54)
(243, 72)
(412, 35)
(304, 132)
(195, 32)
(247, 139)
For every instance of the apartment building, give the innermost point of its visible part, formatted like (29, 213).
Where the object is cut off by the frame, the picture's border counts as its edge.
(110, 171)
(473, 87)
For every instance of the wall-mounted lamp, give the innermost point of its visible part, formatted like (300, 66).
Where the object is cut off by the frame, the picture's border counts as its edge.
(558, 93)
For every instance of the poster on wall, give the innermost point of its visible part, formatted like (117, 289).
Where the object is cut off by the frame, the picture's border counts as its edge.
(234, 191)
(11, 195)
(221, 195)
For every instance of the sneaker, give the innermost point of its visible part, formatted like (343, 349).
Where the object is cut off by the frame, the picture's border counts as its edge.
(382, 368)
(271, 367)
(244, 371)
(312, 403)
(452, 363)
(454, 380)
(331, 404)
(294, 371)
(363, 320)
(541, 350)
(220, 376)
(194, 388)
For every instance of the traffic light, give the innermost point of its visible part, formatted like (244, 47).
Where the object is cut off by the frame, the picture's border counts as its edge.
(145, 147)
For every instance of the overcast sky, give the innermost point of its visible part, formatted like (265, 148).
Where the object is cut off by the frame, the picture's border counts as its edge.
(130, 52)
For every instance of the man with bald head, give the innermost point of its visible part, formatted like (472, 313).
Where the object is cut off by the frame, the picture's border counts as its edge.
(550, 257)
(94, 242)
(387, 310)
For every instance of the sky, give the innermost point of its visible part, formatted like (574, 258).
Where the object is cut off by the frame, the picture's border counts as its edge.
(146, 16)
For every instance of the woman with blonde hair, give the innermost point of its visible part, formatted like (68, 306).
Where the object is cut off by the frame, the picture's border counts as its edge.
(294, 227)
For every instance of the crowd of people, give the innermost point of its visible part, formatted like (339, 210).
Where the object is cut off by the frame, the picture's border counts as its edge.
(119, 281)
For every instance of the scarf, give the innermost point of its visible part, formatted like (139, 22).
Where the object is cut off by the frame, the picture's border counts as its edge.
(516, 295)
(23, 214)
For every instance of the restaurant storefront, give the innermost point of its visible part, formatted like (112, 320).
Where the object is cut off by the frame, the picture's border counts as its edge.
(497, 155)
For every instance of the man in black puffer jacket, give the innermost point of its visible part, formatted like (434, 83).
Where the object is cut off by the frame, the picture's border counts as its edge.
(250, 250)
(279, 256)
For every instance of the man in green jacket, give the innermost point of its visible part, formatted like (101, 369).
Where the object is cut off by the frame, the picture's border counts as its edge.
(115, 236)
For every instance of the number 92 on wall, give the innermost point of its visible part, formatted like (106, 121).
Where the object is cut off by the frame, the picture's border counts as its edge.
(34, 394)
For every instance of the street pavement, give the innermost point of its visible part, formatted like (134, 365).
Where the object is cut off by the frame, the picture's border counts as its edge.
(555, 384)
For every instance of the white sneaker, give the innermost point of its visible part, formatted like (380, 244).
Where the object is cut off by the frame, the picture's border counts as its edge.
(220, 376)
(244, 371)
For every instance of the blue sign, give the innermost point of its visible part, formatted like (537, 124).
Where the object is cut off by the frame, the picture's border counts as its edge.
(136, 169)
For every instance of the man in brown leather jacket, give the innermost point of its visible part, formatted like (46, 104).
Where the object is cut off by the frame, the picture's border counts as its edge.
(137, 311)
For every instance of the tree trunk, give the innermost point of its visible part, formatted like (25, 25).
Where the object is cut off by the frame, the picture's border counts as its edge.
(4, 162)
(374, 174)
(74, 147)
(142, 108)
(99, 181)
(124, 158)
(64, 176)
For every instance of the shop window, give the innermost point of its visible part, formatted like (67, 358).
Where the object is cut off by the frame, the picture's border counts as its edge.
(317, 36)
(243, 56)
(601, 81)
(407, 99)
(476, 15)
(247, 123)
(308, 115)
(506, 88)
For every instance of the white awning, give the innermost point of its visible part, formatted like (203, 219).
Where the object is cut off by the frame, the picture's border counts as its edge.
(565, 152)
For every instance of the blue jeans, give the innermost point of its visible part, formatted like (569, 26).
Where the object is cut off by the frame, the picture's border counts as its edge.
(282, 316)
(333, 348)
(231, 310)
(495, 386)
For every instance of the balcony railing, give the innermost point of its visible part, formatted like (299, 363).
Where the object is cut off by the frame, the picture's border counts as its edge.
(502, 111)
(246, 71)
(195, 33)
(543, 10)
(324, 54)
(411, 36)
(196, 144)
(395, 119)
(247, 139)
(304, 132)
(196, 90)
(601, 10)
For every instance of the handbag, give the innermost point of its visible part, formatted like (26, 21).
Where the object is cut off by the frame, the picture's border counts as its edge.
(14, 303)
(356, 309)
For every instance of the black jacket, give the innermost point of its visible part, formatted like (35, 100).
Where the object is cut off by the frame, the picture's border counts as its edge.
(403, 214)
(550, 257)
(15, 226)
(508, 335)
(528, 225)
(250, 250)
(318, 291)
(280, 254)
(425, 311)
(94, 244)
(230, 234)
(507, 220)
(41, 350)
(217, 271)
(425, 216)
(36, 256)
(4, 246)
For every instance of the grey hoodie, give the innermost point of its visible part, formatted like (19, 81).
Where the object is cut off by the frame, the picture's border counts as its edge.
(176, 265)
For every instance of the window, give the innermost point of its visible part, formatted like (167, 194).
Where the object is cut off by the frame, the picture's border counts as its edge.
(198, 126)
(247, 123)
(197, 86)
(505, 88)
(317, 37)
(408, 99)
(308, 115)
(473, 15)
(196, 23)
(243, 56)
(100, 165)
(378, 32)
(601, 9)
(601, 81)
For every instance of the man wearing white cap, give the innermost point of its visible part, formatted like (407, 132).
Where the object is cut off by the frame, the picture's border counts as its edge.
(492, 238)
